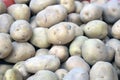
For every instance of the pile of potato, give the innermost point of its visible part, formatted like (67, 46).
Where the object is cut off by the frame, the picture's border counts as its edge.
(60, 40)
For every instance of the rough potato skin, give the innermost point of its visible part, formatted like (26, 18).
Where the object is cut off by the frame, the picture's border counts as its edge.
(3, 8)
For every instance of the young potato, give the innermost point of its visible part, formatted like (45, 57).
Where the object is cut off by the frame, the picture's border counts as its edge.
(60, 51)
(61, 33)
(69, 5)
(61, 73)
(4, 68)
(34, 5)
(19, 11)
(45, 17)
(90, 12)
(5, 22)
(3, 8)
(39, 37)
(103, 71)
(21, 1)
(21, 31)
(40, 52)
(78, 6)
(20, 52)
(5, 45)
(76, 45)
(96, 29)
(43, 62)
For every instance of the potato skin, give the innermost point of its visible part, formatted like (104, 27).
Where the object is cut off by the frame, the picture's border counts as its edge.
(4, 68)
(3, 8)
(42, 51)
(21, 1)
(78, 6)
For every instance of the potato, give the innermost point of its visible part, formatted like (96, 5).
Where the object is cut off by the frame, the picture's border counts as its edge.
(43, 62)
(1, 77)
(117, 69)
(34, 4)
(61, 33)
(40, 52)
(76, 45)
(20, 52)
(33, 23)
(90, 12)
(69, 5)
(45, 17)
(103, 71)
(94, 50)
(78, 6)
(61, 73)
(5, 45)
(12, 74)
(19, 11)
(60, 51)
(44, 75)
(3, 8)
(96, 29)
(4, 68)
(39, 38)
(77, 74)
(99, 2)
(21, 31)
(5, 22)
(76, 61)
(21, 1)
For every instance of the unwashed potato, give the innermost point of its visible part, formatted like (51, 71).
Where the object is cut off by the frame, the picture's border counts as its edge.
(42, 3)
(4, 68)
(3, 8)
(77, 74)
(96, 29)
(90, 12)
(78, 6)
(19, 11)
(103, 71)
(12, 74)
(21, 31)
(76, 45)
(40, 38)
(20, 52)
(5, 45)
(60, 51)
(45, 17)
(21, 1)
(43, 62)
(41, 52)
(44, 75)
(5, 22)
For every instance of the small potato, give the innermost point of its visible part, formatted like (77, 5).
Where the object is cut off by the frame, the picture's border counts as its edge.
(90, 12)
(61, 73)
(21, 31)
(78, 6)
(76, 45)
(3, 8)
(60, 51)
(103, 71)
(20, 52)
(76, 61)
(96, 29)
(39, 37)
(5, 45)
(19, 11)
(4, 68)
(5, 22)
(21, 1)
(45, 17)
(43, 62)
(40, 52)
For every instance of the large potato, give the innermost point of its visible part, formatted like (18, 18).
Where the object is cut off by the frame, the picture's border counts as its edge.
(51, 16)
(3, 8)
(78, 6)
(5, 45)
(43, 62)
(39, 37)
(42, 52)
(21, 31)
(20, 52)
(103, 71)
(19, 11)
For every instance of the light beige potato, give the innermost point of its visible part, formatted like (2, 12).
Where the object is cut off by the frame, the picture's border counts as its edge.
(103, 71)
(76, 45)
(117, 69)
(5, 22)
(19, 11)
(34, 4)
(12, 74)
(5, 45)
(3, 7)
(74, 62)
(61, 73)
(20, 52)
(96, 29)
(33, 23)
(44, 75)
(90, 12)
(99, 2)
(21, 31)
(78, 6)
(4, 68)
(69, 5)
(42, 51)
(43, 62)
(60, 51)
(61, 33)
(21, 1)
(40, 38)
